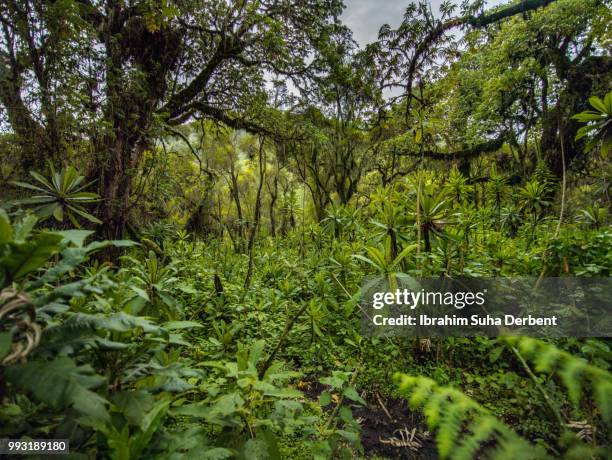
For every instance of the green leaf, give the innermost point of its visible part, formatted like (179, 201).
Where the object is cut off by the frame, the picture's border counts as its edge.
(76, 237)
(407, 250)
(61, 383)
(215, 453)
(97, 245)
(22, 229)
(365, 259)
(70, 259)
(583, 132)
(333, 381)
(58, 213)
(46, 210)
(6, 340)
(41, 179)
(85, 214)
(255, 449)
(271, 442)
(151, 422)
(134, 405)
(256, 351)
(174, 325)
(26, 257)
(222, 412)
(325, 398)
(28, 186)
(608, 103)
(6, 230)
(597, 104)
(350, 436)
(352, 394)
(586, 116)
(141, 293)
(122, 322)
(284, 393)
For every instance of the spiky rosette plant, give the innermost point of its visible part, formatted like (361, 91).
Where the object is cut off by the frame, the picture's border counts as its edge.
(60, 195)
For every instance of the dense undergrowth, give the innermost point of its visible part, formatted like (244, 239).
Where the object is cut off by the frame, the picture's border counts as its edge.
(192, 194)
(165, 352)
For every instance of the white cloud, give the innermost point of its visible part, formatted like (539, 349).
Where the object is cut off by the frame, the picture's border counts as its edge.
(365, 17)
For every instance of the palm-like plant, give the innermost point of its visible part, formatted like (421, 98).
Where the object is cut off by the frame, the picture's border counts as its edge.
(392, 225)
(510, 220)
(182, 244)
(433, 212)
(384, 264)
(594, 215)
(533, 199)
(334, 222)
(497, 189)
(152, 284)
(62, 194)
(599, 122)
(458, 186)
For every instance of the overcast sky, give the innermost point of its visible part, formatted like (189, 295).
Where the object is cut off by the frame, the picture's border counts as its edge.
(365, 17)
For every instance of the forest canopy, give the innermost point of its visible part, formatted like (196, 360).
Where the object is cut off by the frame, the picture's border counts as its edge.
(192, 193)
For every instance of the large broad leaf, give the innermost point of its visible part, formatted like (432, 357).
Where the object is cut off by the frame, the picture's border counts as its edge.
(23, 228)
(407, 250)
(26, 257)
(597, 104)
(72, 257)
(141, 293)
(61, 383)
(6, 230)
(76, 237)
(134, 405)
(189, 444)
(174, 325)
(81, 212)
(256, 351)
(80, 329)
(29, 186)
(96, 245)
(352, 394)
(118, 322)
(151, 421)
(222, 412)
(256, 449)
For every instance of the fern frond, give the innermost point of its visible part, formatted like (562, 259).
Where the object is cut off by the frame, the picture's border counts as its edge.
(466, 430)
(576, 374)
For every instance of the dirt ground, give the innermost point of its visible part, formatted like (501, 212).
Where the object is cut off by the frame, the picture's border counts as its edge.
(388, 427)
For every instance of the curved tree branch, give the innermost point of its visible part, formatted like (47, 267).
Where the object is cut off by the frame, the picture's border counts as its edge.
(477, 22)
(484, 147)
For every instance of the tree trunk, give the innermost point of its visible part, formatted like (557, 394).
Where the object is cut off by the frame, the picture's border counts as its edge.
(273, 198)
(426, 238)
(257, 212)
(130, 106)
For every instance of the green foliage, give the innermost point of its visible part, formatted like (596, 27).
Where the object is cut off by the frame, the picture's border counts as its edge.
(594, 215)
(62, 193)
(240, 400)
(151, 286)
(61, 384)
(465, 429)
(598, 123)
(384, 264)
(431, 215)
(533, 199)
(425, 139)
(579, 378)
